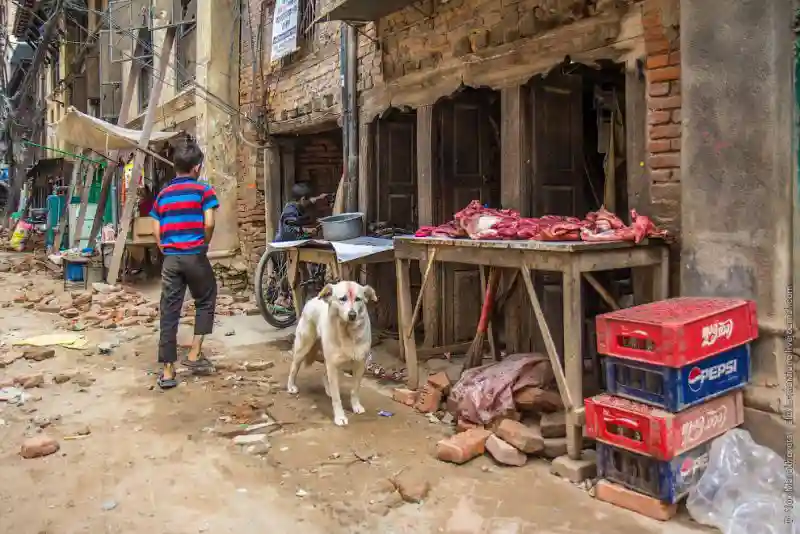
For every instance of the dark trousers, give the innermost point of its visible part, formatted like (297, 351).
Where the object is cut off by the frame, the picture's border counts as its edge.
(177, 273)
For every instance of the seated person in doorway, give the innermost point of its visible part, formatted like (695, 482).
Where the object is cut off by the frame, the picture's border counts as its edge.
(295, 214)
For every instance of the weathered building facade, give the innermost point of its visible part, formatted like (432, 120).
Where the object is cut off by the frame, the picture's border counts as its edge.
(510, 102)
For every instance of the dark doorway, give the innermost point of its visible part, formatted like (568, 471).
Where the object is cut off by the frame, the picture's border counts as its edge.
(468, 168)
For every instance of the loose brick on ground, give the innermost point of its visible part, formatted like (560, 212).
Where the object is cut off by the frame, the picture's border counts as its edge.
(428, 399)
(463, 447)
(505, 453)
(553, 425)
(404, 396)
(38, 446)
(637, 502)
(440, 381)
(533, 399)
(520, 436)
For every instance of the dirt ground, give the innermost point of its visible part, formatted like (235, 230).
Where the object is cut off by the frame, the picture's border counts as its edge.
(152, 462)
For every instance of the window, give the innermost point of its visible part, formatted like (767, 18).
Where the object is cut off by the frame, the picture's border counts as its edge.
(186, 43)
(145, 82)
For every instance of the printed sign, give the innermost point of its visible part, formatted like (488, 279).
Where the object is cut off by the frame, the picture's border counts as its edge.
(691, 466)
(284, 28)
(709, 423)
(716, 331)
(697, 377)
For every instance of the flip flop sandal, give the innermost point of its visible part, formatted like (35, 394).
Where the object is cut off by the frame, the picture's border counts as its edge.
(166, 383)
(202, 366)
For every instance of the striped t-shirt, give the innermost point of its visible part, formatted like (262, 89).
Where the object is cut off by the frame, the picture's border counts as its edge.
(179, 210)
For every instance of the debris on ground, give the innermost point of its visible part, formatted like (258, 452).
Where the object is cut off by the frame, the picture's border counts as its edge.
(39, 446)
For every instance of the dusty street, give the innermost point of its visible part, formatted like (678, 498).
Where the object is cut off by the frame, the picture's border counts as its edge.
(135, 459)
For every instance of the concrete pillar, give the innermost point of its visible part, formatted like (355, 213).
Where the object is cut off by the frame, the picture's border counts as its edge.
(218, 73)
(737, 168)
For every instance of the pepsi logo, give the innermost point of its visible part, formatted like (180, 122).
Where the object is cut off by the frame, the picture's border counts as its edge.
(714, 332)
(698, 377)
(690, 466)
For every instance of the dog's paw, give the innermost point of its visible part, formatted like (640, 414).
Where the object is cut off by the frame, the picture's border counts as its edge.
(357, 408)
(340, 420)
(292, 389)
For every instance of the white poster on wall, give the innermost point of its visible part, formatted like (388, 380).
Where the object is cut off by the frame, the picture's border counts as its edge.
(284, 28)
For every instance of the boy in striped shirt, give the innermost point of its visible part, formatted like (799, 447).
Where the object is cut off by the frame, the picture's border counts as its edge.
(184, 224)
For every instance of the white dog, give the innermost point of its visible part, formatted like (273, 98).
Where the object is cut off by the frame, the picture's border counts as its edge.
(338, 322)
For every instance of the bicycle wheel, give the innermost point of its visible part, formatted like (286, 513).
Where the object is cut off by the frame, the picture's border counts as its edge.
(273, 294)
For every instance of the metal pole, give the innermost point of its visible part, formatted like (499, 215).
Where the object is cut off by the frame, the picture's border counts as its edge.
(351, 185)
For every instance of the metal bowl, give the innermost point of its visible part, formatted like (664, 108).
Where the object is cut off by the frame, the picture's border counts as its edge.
(342, 227)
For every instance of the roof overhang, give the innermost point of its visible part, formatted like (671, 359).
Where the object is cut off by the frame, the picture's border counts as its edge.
(362, 10)
(85, 131)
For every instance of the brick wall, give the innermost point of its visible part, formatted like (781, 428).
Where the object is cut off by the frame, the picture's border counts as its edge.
(660, 20)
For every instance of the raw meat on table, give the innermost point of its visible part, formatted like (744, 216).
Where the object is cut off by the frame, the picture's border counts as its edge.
(482, 223)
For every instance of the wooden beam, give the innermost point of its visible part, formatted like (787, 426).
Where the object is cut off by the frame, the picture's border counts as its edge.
(138, 162)
(426, 209)
(515, 193)
(366, 171)
(272, 189)
(87, 186)
(64, 215)
(124, 112)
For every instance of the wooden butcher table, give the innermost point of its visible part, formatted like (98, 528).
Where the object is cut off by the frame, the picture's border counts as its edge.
(574, 260)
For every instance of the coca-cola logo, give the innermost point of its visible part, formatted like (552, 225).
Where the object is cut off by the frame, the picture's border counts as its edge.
(716, 331)
(694, 430)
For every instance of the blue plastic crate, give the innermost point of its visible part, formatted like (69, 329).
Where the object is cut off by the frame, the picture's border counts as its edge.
(74, 272)
(668, 481)
(675, 389)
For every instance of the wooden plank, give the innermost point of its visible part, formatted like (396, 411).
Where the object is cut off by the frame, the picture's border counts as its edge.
(426, 197)
(603, 292)
(292, 268)
(490, 333)
(573, 357)
(563, 247)
(425, 279)
(138, 162)
(366, 171)
(552, 353)
(122, 119)
(660, 277)
(408, 344)
(87, 186)
(272, 189)
(64, 215)
(289, 170)
(515, 190)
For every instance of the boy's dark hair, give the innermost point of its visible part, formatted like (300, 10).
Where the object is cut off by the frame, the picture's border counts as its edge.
(301, 190)
(187, 156)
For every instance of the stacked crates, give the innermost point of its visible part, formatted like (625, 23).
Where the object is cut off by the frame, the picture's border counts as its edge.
(674, 373)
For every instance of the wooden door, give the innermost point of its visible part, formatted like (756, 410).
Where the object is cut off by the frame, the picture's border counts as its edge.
(558, 176)
(395, 201)
(469, 170)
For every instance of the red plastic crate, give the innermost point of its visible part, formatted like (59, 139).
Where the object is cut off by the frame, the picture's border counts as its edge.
(657, 433)
(677, 332)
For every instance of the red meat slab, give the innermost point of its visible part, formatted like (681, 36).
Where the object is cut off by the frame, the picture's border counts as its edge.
(654, 432)
(677, 332)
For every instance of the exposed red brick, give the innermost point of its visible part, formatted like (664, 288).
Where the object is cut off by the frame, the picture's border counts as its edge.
(661, 175)
(652, 20)
(664, 102)
(463, 447)
(666, 193)
(675, 144)
(520, 436)
(659, 145)
(505, 453)
(440, 381)
(533, 399)
(658, 117)
(656, 62)
(404, 396)
(666, 131)
(659, 89)
(637, 502)
(428, 399)
(675, 87)
(675, 58)
(656, 46)
(665, 161)
(38, 446)
(664, 74)
(462, 425)
(676, 116)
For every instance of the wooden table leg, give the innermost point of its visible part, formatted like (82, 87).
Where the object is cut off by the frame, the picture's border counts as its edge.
(293, 264)
(661, 277)
(573, 357)
(408, 343)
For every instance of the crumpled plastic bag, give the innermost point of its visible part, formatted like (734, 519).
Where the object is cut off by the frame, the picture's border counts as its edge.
(485, 393)
(746, 489)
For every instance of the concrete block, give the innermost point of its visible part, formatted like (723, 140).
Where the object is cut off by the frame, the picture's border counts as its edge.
(576, 470)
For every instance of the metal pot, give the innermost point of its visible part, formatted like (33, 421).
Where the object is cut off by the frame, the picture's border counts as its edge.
(342, 227)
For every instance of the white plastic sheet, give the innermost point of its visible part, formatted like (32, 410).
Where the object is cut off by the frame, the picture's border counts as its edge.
(746, 489)
(352, 249)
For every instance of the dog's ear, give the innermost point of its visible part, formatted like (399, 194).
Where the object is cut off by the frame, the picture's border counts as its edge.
(369, 294)
(326, 293)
